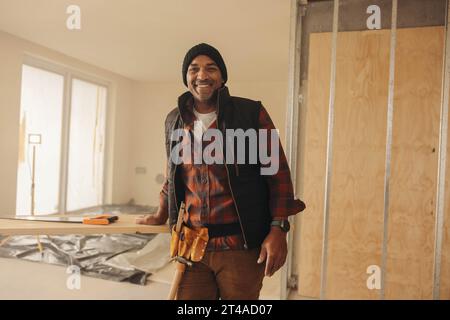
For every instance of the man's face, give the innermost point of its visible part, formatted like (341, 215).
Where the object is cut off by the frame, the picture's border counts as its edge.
(203, 78)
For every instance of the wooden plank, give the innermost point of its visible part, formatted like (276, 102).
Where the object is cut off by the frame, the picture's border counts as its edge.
(126, 224)
(357, 184)
(309, 248)
(417, 99)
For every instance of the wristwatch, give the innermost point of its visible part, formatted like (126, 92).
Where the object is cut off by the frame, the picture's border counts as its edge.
(282, 224)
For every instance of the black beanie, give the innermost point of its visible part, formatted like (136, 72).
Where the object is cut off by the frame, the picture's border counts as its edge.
(207, 50)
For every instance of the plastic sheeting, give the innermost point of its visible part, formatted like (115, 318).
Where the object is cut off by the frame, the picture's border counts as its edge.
(118, 257)
(89, 252)
(151, 258)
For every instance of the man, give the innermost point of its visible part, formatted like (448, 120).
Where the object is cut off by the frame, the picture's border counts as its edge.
(244, 210)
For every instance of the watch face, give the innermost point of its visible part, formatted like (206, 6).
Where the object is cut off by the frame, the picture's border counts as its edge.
(285, 225)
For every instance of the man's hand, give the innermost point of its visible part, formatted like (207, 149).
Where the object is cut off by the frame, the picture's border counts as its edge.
(153, 219)
(273, 251)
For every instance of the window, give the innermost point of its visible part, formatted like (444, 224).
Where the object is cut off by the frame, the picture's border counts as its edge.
(86, 145)
(62, 142)
(40, 117)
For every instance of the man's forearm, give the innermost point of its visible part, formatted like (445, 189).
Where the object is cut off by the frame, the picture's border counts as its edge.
(163, 213)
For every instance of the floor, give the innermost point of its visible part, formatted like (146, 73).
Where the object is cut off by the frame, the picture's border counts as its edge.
(21, 279)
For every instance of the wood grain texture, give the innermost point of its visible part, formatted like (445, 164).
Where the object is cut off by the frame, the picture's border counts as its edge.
(309, 248)
(411, 222)
(357, 183)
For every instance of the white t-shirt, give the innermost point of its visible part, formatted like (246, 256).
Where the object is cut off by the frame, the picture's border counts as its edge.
(206, 118)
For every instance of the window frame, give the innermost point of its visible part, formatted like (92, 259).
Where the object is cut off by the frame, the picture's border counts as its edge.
(69, 74)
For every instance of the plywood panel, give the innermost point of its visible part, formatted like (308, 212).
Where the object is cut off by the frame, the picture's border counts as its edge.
(409, 273)
(357, 185)
(356, 207)
(309, 249)
(445, 263)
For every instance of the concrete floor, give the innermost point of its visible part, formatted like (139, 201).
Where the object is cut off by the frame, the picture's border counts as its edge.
(21, 279)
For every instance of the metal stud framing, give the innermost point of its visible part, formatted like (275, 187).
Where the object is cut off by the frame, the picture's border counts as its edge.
(444, 118)
(326, 211)
(440, 194)
(390, 118)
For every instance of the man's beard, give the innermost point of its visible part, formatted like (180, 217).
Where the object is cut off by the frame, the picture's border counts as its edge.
(213, 99)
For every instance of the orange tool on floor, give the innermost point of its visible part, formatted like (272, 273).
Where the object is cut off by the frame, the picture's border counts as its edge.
(100, 219)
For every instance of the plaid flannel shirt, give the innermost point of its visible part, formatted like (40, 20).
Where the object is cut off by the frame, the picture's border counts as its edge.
(208, 197)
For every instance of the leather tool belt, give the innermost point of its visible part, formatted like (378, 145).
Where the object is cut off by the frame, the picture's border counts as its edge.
(189, 243)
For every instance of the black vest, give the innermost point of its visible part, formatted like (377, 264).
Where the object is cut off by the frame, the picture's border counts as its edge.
(249, 188)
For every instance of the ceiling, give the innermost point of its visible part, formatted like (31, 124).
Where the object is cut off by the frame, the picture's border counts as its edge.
(146, 40)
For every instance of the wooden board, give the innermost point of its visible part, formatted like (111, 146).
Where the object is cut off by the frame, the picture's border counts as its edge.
(357, 189)
(309, 248)
(126, 224)
(357, 183)
(411, 232)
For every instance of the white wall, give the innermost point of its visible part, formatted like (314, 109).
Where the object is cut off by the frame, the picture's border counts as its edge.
(152, 102)
(12, 50)
(10, 75)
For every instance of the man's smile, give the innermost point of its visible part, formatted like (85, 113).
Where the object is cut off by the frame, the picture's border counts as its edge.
(203, 84)
(203, 87)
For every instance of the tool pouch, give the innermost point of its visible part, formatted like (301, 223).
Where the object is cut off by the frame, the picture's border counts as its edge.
(189, 243)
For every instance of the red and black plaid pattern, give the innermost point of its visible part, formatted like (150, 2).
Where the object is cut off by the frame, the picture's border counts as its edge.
(207, 194)
(208, 197)
(282, 199)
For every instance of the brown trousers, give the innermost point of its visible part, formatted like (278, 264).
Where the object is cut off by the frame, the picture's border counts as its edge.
(228, 275)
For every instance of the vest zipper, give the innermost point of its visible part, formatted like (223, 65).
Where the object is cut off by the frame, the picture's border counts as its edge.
(228, 176)
(237, 210)
(228, 173)
(229, 184)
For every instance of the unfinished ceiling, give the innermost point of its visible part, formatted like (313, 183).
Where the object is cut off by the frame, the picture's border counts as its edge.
(147, 39)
